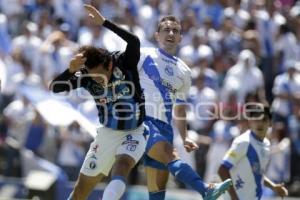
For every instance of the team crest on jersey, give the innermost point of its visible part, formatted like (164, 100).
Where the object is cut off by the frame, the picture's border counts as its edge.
(169, 70)
(117, 72)
(97, 89)
(93, 165)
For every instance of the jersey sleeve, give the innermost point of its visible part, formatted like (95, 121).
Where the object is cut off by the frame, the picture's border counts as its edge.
(67, 81)
(236, 152)
(183, 92)
(131, 56)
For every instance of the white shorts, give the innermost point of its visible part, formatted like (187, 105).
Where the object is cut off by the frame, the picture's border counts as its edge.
(107, 144)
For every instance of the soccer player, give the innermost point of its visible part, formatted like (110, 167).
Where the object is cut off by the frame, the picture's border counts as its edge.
(112, 79)
(165, 80)
(246, 160)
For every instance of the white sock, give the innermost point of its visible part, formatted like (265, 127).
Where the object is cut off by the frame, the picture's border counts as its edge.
(114, 190)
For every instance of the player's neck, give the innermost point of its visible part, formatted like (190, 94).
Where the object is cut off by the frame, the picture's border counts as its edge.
(171, 51)
(258, 135)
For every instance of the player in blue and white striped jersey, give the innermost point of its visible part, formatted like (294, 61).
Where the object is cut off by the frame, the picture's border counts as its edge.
(247, 159)
(166, 80)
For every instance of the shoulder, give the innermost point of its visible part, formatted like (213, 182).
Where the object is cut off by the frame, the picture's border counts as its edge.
(184, 68)
(243, 140)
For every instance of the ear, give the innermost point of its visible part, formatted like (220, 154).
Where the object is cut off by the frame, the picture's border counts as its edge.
(110, 65)
(180, 38)
(156, 36)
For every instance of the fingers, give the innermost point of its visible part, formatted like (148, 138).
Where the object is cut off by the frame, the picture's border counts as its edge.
(79, 58)
(89, 7)
(190, 148)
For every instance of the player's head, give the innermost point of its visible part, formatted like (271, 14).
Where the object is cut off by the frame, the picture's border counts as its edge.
(98, 60)
(168, 33)
(259, 118)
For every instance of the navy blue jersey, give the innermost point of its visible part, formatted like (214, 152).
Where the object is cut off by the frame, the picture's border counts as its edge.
(120, 103)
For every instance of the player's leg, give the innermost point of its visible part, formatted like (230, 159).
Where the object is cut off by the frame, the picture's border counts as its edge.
(97, 163)
(156, 182)
(84, 185)
(121, 169)
(129, 153)
(166, 154)
(163, 152)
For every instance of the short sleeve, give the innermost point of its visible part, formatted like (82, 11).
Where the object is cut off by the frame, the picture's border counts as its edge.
(183, 92)
(236, 152)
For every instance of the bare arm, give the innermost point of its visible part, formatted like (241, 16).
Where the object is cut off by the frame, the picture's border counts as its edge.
(278, 188)
(180, 122)
(224, 174)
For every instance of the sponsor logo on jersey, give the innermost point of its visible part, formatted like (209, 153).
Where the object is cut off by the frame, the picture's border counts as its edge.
(169, 70)
(93, 165)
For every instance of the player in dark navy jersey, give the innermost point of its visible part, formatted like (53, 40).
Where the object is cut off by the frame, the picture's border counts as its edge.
(112, 79)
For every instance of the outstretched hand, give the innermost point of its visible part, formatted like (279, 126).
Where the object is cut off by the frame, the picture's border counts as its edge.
(280, 190)
(94, 14)
(190, 145)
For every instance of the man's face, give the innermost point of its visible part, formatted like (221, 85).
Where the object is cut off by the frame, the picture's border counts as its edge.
(169, 35)
(260, 126)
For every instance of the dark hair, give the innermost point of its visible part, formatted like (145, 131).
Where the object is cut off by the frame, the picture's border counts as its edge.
(171, 18)
(95, 56)
(259, 110)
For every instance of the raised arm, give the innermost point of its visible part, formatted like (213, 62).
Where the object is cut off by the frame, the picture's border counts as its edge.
(132, 52)
(67, 80)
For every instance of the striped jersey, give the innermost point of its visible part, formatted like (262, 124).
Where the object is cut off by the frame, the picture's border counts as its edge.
(247, 160)
(165, 80)
(120, 103)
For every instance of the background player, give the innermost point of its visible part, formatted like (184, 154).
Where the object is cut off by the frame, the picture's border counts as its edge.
(112, 79)
(247, 159)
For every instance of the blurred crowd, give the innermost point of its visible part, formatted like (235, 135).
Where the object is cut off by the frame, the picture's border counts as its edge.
(239, 51)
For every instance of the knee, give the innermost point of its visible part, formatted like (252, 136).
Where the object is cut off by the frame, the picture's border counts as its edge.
(170, 154)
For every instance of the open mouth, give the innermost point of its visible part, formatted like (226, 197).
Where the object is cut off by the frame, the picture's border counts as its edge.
(170, 40)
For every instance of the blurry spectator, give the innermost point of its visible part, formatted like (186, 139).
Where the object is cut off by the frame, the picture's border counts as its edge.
(19, 114)
(294, 134)
(279, 166)
(286, 91)
(203, 106)
(189, 28)
(148, 18)
(71, 152)
(45, 25)
(189, 52)
(36, 133)
(54, 55)
(5, 40)
(240, 16)
(245, 71)
(27, 43)
(69, 13)
(14, 11)
(203, 65)
(286, 45)
(208, 9)
(89, 34)
(230, 40)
